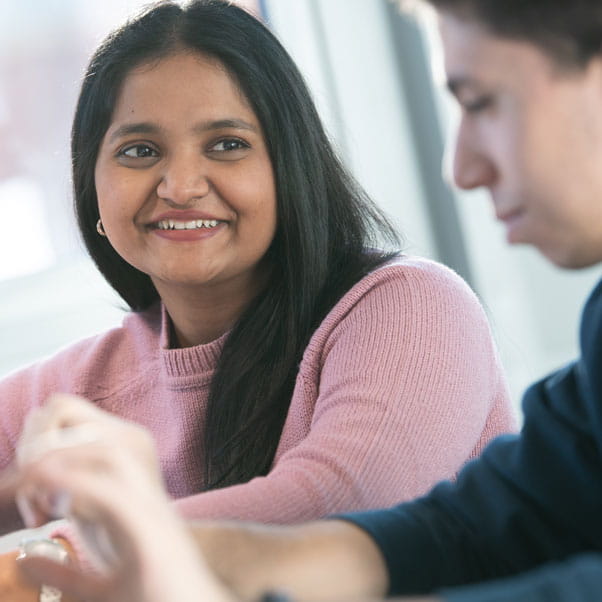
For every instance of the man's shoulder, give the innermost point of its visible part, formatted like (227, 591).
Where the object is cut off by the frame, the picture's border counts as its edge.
(591, 323)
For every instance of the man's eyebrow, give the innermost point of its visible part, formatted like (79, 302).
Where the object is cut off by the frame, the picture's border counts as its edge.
(144, 127)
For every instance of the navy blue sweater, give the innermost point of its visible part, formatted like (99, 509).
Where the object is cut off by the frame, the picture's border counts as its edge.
(529, 500)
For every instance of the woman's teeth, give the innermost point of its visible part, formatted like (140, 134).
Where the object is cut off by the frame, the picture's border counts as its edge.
(170, 224)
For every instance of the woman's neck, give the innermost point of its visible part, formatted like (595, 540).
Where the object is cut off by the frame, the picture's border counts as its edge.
(201, 315)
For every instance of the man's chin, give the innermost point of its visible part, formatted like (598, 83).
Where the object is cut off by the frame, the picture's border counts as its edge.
(574, 258)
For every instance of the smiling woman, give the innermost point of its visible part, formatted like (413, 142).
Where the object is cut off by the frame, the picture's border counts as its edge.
(50, 293)
(186, 192)
(286, 359)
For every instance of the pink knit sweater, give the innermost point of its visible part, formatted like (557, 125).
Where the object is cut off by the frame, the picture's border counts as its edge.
(398, 387)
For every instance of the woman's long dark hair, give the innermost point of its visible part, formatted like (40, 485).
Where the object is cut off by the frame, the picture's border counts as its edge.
(326, 224)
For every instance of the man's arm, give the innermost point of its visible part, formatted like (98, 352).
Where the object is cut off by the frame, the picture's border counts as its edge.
(325, 560)
(577, 580)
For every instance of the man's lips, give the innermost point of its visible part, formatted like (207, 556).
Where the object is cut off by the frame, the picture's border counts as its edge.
(514, 224)
(508, 215)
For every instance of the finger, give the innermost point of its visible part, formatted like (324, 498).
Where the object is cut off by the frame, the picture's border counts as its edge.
(96, 476)
(37, 505)
(42, 485)
(69, 421)
(59, 412)
(14, 485)
(65, 410)
(69, 410)
(34, 447)
(87, 485)
(71, 581)
(31, 513)
(101, 539)
(45, 483)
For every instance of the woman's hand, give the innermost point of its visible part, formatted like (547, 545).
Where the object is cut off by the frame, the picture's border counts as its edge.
(77, 462)
(67, 421)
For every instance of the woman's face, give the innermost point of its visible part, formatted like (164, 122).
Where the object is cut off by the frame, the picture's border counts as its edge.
(185, 185)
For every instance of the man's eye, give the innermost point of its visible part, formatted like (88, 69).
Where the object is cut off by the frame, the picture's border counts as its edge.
(478, 104)
(229, 144)
(139, 151)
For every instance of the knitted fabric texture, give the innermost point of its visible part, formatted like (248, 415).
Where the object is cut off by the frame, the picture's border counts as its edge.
(399, 386)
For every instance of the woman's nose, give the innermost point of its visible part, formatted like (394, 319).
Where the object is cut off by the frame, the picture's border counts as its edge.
(184, 180)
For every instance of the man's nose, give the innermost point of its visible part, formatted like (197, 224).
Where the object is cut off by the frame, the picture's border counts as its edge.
(472, 167)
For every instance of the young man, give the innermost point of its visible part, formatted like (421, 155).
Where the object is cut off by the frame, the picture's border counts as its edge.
(523, 522)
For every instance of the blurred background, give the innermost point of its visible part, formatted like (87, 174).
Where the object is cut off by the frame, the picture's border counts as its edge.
(370, 70)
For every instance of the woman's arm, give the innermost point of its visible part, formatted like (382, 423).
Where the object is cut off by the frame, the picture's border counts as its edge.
(398, 388)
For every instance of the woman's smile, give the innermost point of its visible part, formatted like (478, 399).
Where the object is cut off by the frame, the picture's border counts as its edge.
(184, 180)
(186, 226)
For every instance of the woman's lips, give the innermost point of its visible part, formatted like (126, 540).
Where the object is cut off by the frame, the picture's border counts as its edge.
(172, 224)
(187, 230)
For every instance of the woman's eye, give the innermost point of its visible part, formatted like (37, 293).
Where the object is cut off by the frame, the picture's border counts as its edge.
(139, 151)
(229, 144)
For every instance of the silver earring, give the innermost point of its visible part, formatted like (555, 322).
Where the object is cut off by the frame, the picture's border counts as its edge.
(100, 229)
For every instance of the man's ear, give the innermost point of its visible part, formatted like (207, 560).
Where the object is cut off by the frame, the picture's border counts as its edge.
(594, 70)
(597, 61)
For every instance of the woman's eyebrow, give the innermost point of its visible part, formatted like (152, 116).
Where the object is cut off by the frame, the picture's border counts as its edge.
(145, 127)
(219, 124)
(134, 128)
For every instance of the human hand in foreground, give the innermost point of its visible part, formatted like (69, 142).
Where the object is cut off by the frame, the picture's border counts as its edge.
(68, 421)
(72, 463)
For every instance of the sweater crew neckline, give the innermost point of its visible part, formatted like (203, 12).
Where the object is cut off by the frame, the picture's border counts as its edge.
(198, 362)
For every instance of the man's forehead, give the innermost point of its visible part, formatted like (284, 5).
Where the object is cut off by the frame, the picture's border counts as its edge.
(466, 44)
(473, 56)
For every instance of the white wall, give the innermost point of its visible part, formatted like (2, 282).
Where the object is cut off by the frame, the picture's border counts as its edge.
(44, 311)
(343, 49)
